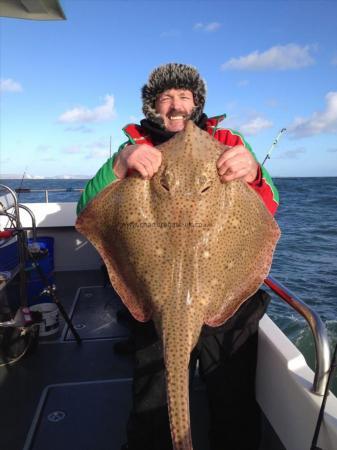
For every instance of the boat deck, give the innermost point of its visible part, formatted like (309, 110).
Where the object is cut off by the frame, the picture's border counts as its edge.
(77, 397)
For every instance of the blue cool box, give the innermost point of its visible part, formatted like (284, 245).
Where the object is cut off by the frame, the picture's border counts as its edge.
(9, 257)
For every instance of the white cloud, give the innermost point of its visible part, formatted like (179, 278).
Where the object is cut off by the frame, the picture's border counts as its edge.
(280, 57)
(10, 85)
(255, 126)
(207, 27)
(82, 114)
(319, 122)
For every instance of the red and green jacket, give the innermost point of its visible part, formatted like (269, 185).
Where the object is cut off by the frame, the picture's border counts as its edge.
(263, 184)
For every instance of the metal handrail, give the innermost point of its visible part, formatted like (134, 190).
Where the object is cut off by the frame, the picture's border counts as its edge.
(323, 356)
(46, 191)
(14, 217)
(32, 217)
(15, 206)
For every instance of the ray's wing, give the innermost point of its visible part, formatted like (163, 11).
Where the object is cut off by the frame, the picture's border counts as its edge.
(245, 239)
(111, 222)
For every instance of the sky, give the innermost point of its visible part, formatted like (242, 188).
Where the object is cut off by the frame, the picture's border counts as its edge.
(68, 87)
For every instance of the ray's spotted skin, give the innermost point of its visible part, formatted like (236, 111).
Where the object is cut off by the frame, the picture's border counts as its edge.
(183, 249)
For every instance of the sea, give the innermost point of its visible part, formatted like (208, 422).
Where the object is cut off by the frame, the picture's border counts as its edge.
(305, 260)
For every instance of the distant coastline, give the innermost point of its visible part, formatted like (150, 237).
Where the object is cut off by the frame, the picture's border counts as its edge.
(14, 176)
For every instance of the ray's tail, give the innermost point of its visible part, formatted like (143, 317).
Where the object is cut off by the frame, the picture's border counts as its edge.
(179, 340)
(178, 405)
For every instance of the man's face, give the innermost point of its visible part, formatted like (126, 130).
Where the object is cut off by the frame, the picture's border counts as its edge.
(175, 107)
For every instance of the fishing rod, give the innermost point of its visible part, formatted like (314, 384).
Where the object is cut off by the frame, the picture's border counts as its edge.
(325, 396)
(268, 155)
(21, 183)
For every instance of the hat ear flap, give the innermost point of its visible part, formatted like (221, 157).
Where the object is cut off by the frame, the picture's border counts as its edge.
(149, 108)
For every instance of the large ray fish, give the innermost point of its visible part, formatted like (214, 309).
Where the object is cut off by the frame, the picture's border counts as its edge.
(182, 249)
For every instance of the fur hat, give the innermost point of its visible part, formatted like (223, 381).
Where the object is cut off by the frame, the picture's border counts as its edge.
(173, 76)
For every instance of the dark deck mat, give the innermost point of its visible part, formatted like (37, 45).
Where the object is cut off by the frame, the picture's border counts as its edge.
(93, 415)
(81, 416)
(94, 314)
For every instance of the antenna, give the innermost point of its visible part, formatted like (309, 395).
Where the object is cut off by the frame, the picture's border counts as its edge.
(268, 155)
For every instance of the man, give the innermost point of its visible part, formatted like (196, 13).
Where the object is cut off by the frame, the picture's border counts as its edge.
(174, 94)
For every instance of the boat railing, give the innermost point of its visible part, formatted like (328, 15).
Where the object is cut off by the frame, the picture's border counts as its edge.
(323, 356)
(317, 326)
(46, 191)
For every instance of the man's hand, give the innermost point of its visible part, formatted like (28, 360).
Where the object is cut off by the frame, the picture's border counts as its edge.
(237, 163)
(142, 158)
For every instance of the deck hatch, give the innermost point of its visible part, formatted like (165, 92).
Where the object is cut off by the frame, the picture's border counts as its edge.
(94, 314)
(93, 415)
